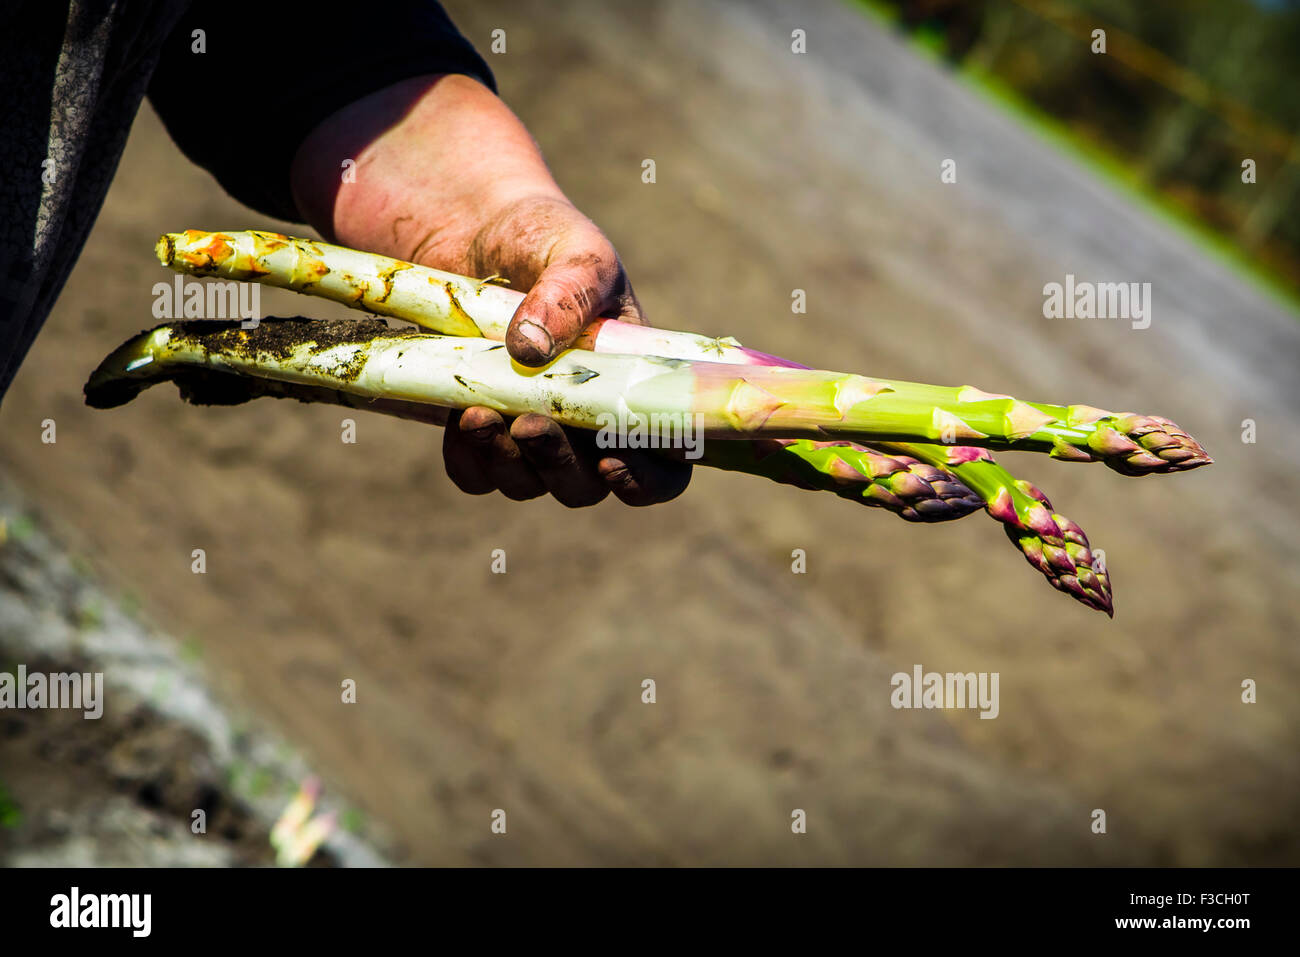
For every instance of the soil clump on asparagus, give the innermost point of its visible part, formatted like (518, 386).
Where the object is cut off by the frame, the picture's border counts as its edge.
(278, 338)
(281, 337)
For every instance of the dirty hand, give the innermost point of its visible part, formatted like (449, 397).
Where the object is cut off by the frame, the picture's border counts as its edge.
(445, 175)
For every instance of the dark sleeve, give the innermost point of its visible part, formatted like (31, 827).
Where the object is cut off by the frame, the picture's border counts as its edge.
(241, 109)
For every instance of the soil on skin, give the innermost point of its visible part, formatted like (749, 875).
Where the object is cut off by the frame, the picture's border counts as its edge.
(330, 561)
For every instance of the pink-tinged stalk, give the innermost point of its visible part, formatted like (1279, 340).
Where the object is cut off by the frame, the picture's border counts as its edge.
(1050, 542)
(628, 338)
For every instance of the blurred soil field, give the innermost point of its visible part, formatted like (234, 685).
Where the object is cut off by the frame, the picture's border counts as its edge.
(476, 691)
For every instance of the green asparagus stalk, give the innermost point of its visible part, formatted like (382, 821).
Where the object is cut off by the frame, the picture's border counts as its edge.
(898, 411)
(619, 392)
(323, 362)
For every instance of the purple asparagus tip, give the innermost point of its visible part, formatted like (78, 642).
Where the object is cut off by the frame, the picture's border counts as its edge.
(1147, 444)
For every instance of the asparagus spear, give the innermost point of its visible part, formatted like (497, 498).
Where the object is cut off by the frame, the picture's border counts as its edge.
(1050, 542)
(593, 390)
(1129, 443)
(217, 363)
(441, 301)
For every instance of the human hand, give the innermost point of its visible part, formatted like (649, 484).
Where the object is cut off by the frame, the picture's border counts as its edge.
(446, 176)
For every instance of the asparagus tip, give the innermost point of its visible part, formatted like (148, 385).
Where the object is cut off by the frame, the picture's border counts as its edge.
(1055, 545)
(1147, 445)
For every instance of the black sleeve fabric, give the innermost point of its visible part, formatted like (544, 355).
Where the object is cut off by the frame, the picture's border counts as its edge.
(241, 109)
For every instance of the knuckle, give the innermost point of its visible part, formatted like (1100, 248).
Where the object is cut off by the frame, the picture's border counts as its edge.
(615, 472)
(551, 453)
(573, 296)
(479, 423)
(536, 430)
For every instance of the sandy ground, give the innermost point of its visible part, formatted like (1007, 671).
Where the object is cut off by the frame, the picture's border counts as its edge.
(153, 768)
(775, 171)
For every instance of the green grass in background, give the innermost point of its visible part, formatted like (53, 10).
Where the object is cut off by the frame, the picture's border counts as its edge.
(10, 814)
(1098, 157)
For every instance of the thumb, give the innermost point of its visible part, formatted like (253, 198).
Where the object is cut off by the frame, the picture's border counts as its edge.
(580, 283)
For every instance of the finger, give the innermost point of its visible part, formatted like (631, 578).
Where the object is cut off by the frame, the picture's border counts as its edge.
(498, 455)
(582, 281)
(627, 306)
(641, 479)
(572, 478)
(461, 460)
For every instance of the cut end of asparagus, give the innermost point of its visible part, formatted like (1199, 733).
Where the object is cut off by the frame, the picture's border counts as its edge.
(128, 370)
(203, 253)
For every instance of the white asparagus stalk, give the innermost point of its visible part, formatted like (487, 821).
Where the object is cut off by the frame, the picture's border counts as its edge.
(440, 301)
(580, 389)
